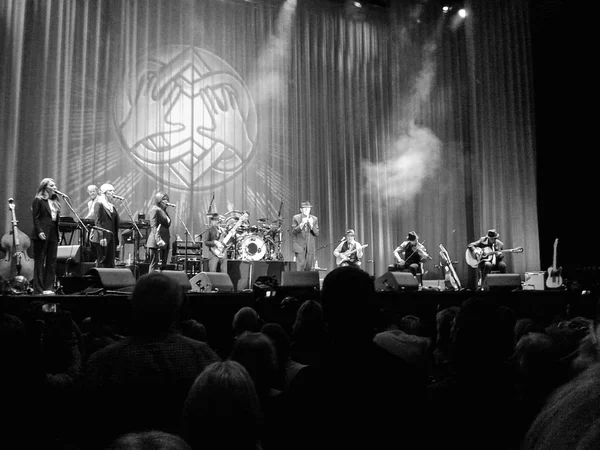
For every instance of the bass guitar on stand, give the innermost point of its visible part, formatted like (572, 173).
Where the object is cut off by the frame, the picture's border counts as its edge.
(554, 279)
(221, 245)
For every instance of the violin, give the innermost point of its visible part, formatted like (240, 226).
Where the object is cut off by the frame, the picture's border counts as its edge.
(15, 243)
(422, 252)
(451, 279)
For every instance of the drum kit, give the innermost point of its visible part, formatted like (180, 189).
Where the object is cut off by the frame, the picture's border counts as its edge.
(261, 241)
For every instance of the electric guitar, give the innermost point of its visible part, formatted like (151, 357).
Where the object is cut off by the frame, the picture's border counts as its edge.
(554, 279)
(486, 254)
(221, 244)
(346, 255)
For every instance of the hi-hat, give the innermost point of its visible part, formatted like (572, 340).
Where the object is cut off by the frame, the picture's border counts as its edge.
(278, 220)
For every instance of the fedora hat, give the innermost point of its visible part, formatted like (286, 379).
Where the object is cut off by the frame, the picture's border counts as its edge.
(350, 232)
(493, 233)
(305, 204)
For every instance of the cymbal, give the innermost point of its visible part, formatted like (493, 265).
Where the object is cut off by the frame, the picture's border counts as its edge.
(278, 220)
(264, 219)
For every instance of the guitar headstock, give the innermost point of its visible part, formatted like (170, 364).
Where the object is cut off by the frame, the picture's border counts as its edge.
(11, 204)
(518, 250)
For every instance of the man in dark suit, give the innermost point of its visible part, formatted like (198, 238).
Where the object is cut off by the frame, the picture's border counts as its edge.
(159, 237)
(305, 227)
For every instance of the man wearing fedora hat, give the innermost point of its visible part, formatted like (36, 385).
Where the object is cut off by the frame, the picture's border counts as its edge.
(410, 255)
(217, 256)
(305, 227)
(492, 257)
(349, 251)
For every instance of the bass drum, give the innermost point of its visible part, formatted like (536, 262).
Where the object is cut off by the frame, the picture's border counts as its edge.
(252, 248)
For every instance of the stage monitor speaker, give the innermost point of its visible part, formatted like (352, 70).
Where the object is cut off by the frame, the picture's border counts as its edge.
(70, 253)
(112, 279)
(502, 282)
(304, 279)
(397, 282)
(180, 277)
(211, 282)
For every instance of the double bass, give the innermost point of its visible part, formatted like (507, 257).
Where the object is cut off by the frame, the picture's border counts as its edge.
(16, 262)
(451, 279)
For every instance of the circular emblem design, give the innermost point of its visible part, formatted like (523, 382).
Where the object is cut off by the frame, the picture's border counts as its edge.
(186, 117)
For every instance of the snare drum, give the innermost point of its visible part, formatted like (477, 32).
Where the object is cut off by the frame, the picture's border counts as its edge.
(252, 248)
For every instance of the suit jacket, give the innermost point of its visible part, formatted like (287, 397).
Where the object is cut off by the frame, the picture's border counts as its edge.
(302, 235)
(42, 219)
(107, 220)
(158, 217)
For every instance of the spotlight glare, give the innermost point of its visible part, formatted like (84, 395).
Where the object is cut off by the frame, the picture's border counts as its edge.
(462, 13)
(357, 4)
(445, 9)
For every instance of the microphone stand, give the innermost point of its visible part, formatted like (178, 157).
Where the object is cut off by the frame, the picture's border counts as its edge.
(187, 233)
(79, 221)
(84, 230)
(136, 237)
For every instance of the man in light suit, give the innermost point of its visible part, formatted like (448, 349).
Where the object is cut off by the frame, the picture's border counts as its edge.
(305, 227)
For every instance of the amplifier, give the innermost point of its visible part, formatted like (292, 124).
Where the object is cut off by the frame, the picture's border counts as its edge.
(193, 248)
(534, 281)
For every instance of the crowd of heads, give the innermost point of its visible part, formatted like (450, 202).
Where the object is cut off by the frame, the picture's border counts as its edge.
(480, 351)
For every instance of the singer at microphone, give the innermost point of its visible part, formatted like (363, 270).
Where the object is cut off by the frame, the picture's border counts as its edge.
(118, 197)
(158, 242)
(171, 205)
(305, 228)
(106, 228)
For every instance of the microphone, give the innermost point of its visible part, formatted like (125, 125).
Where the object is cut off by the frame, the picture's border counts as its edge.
(10, 201)
(171, 204)
(60, 193)
(118, 197)
(94, 227)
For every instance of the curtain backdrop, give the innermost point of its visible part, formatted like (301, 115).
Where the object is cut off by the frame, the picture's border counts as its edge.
(386, 120)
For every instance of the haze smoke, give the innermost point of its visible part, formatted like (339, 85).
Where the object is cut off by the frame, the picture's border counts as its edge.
(269, 81)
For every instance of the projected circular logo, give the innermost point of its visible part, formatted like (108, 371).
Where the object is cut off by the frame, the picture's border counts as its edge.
(186, 117)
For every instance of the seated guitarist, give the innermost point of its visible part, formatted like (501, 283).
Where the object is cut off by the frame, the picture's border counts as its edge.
(491, 257)
(349, 251)
(215, 232)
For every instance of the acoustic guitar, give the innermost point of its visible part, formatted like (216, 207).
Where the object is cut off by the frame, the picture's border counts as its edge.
(346, 255)
(221, 245)
(554, 279)
(486, 254)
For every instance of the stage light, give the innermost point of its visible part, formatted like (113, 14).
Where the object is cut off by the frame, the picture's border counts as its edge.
(446, 9)
(357, 4)
(462, 13)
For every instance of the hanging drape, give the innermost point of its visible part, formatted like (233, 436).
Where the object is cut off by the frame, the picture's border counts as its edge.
(386, 120)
